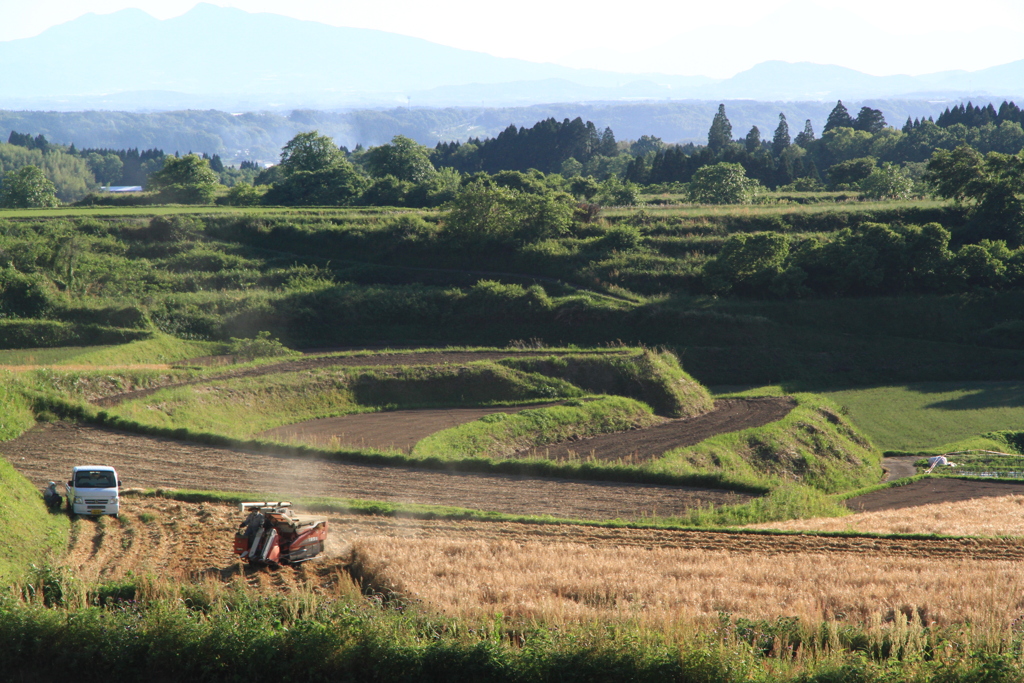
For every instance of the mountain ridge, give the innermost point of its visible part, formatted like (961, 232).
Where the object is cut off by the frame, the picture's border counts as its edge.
(226, 58)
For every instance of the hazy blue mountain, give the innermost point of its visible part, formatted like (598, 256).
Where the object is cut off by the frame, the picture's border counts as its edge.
(223, 58)
(230, 53)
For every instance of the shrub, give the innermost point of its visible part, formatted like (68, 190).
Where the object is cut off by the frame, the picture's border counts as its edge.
(261, 346)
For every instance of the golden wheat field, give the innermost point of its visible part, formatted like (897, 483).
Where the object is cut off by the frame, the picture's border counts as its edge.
(666, 586)
(1002, 516)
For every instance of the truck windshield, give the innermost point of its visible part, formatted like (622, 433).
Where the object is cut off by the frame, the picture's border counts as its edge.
(95, 479)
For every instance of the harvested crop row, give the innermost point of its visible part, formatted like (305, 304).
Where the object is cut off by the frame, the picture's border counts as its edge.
(177, 541)
(578, 572)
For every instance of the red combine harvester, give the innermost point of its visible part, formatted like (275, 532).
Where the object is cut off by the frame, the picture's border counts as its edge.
(271, 534)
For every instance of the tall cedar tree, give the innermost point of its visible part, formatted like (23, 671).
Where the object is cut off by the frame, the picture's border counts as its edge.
(839, 118)
(869, 120)
(780, 141)
(806, 135)
(753, 139)
(720, 134)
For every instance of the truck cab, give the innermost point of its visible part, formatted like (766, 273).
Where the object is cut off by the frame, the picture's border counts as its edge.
(93, 490)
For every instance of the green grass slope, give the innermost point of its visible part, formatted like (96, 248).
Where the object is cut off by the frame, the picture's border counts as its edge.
(652, 377)
(32, 535)
(157, 348)
(813, 445)
(934, 415)
(502, 435)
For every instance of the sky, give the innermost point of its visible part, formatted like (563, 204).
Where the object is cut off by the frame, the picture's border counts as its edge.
(880, 37)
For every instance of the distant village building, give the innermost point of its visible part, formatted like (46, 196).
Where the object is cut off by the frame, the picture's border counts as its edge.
(123, 188)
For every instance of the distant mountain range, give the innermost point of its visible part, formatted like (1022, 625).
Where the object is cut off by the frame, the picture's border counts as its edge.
(224, 58)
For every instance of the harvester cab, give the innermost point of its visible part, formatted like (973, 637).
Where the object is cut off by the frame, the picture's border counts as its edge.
(271, 534)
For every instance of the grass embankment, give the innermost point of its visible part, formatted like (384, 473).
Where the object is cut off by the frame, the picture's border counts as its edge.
(503, 435)
(31, 534)
(27, 333)
(157, 349)
(241, 408)
(652, 377)
(814, 444)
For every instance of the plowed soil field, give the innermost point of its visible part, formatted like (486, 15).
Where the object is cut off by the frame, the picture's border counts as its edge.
(398, 430)
(932, 490)
(49, 451)
(637, 445)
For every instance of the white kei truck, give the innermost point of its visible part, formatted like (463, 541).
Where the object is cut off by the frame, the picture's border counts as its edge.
(93, 491)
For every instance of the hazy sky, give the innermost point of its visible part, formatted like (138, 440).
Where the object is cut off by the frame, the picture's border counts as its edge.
(697, 38)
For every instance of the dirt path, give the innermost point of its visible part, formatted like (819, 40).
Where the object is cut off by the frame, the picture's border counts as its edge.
(398, 430)
(48, 451)
(899, 467)
(729, 415)
(298, 365)
(932, 490)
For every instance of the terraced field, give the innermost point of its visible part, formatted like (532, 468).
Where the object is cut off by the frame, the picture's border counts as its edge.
(49, 451)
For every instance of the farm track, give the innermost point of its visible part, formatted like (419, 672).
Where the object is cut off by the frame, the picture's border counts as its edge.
(299, 365)
(932, 490)
(192, 541)
(47, 451)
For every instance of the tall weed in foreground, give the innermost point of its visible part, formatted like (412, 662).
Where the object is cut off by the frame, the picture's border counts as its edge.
(245, 635)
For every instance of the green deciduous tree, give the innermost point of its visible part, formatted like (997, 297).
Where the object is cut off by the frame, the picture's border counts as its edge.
(748, 264)
(309, 151)
(848, 173)
(27, 188)
(992, 186)
(723, 183)
(488, 211)
(402, 158)
(337, 185)
(887, 182)
(185, 180)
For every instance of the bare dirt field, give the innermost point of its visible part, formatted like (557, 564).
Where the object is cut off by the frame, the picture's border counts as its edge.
(48, 452)
(300, 364)
(729, 415)
(398, 430)
(932, 490)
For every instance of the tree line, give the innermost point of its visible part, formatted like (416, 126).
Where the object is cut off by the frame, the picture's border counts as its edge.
(859, 153)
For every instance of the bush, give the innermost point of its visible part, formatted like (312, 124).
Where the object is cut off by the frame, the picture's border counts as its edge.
(261, 346)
